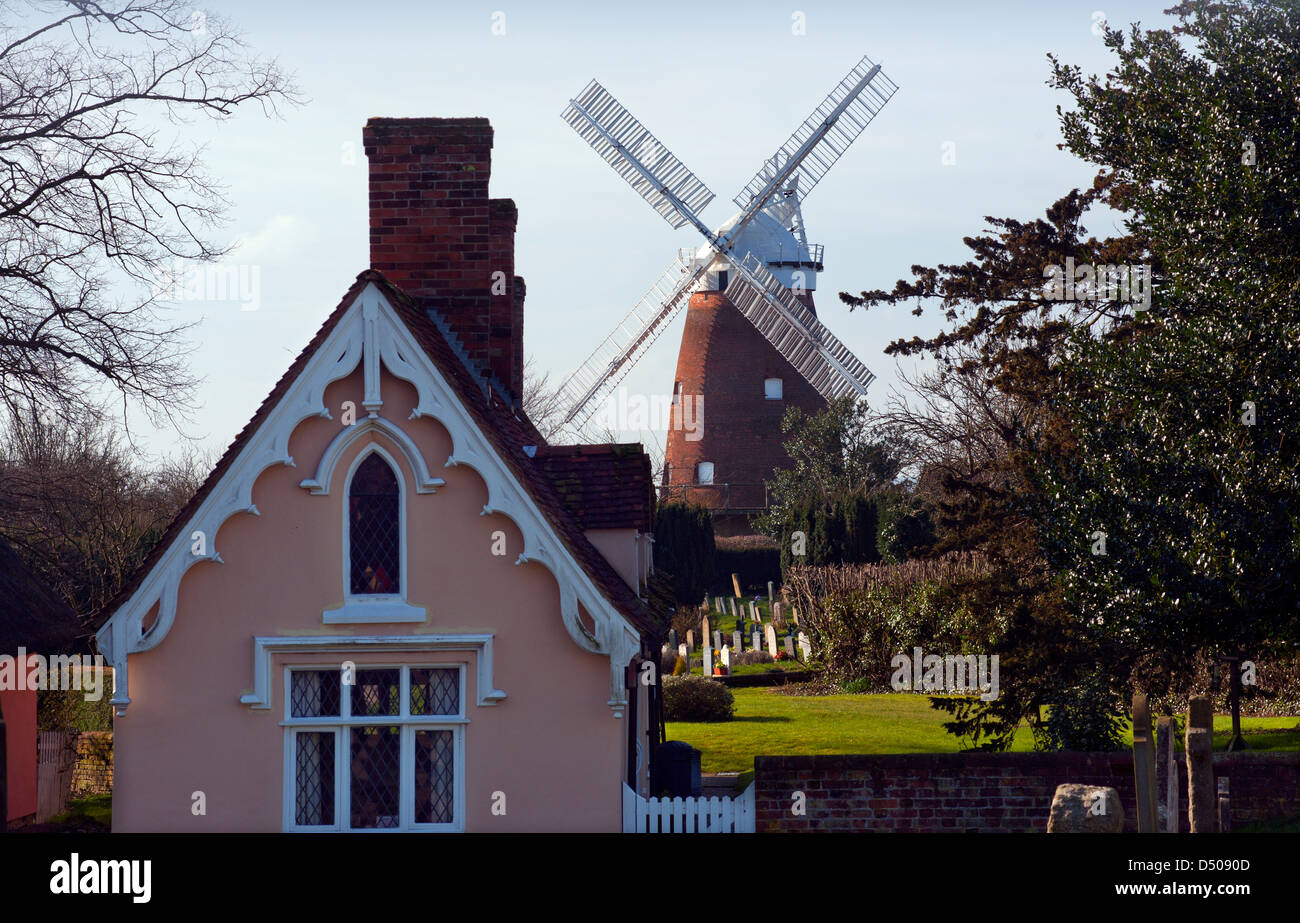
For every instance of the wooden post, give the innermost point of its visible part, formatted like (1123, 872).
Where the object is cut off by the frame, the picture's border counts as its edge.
(1144, 766)
(1200, 765)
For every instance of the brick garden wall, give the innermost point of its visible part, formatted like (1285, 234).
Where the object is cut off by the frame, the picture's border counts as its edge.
(988, 793)
(92, 774)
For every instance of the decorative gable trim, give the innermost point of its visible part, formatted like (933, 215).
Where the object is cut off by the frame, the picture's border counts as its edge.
(370, 331)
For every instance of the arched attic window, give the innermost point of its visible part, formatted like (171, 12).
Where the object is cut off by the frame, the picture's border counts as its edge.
(374, 528)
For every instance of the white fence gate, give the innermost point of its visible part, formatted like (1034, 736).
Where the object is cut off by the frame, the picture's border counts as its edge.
(56, 755)
(688, 815)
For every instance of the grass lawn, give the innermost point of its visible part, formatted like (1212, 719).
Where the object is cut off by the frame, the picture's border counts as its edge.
(96, 809)
(770, 724)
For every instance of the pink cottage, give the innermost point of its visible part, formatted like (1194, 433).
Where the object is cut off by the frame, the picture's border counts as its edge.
(392, 606)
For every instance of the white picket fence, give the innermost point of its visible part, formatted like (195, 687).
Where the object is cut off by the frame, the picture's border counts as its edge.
(688, 815)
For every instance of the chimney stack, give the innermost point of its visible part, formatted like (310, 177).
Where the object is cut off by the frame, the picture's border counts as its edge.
(436, 235)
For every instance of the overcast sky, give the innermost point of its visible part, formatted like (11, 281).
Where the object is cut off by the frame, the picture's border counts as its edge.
(721, 86)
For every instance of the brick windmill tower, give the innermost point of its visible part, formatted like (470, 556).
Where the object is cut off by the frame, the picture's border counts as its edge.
(752, 345)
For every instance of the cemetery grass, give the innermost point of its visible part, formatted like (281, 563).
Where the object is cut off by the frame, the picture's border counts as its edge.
(768, 723)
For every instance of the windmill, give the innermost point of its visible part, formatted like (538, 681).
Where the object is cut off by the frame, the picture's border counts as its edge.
(753, 344)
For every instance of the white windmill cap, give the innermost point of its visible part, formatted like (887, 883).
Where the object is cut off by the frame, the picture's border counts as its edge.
(771, 242)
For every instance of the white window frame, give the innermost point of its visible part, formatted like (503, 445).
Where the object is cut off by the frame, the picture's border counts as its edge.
(375, 607)
(342, 725)
(768, 389)
(699, 472)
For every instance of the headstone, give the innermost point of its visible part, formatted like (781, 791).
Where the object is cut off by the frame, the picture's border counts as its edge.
(683, 653)
(732, 600)
(778, 617)
(717, 639)
(770, 631)
(1200, 765)
(726, 657)
(1085, 809)
(735, 641)
(758, 641)
(1166, 776)
(708, 659)
(704, 631)
(690, 640)
(753, 611)
(769, 592)
(805, 649)
(1225, 806)
(735, 584)
(795, 612)
(789, 646)
(1144, 766)
(672, 637)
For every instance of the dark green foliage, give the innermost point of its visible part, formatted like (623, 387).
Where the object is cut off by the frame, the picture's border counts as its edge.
(1084, 717)
(753, 564)
(684, 547)
(697, 698)
(841, 530)
(904, 527)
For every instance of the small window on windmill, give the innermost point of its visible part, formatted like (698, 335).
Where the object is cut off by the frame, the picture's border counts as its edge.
(722, 280)
(677, 392)
(704, 473)
(772, 389)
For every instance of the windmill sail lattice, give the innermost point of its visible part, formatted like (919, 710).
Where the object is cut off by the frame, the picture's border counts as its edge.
(649, 167)
(825, 362)
(826, 134)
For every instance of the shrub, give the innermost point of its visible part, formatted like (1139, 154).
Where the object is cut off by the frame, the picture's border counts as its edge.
(667, 661)
(681, 667)
(684, 548)
(697, 698)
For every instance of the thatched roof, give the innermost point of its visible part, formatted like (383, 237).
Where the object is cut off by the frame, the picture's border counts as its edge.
(31, 615)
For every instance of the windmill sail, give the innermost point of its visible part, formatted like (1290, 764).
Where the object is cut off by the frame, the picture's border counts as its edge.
(676, 193)
(614, 357)
(795, 332)
(826, 134)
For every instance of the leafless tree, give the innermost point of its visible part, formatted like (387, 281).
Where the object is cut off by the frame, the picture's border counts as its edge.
(541, 401)
(81, 507)
(100, 200)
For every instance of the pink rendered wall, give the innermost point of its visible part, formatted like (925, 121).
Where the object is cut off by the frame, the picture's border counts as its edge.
(19, 707)
(553, 746)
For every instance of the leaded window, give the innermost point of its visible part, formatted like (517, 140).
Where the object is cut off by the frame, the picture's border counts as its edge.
(372, 748)
(374, 528)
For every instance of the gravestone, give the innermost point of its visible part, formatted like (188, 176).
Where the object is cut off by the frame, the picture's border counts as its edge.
(789, 646)
(726, 657)
(778, 617)
(770, 592)
(805, 649)
(704, 631)
(672, 637)
(1166, 776)
(1144, 766)
(735, 641)
(753, 611)
(732, 600)
(1200, 765)
(795, 612)
(683, 653)
(735, 585)
(758, 641)
(717, 639)
(770, 631)
(1085, 809)
(690, 640)
(708, 659)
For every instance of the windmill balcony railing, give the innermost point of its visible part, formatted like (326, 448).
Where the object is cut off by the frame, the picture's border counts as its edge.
(732, 497)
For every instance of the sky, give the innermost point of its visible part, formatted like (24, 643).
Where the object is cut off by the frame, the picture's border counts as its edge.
(721, 85)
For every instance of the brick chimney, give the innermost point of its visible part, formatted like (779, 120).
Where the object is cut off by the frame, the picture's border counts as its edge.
(436, 235)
